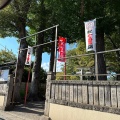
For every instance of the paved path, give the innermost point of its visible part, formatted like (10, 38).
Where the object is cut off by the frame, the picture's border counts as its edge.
(32, 111)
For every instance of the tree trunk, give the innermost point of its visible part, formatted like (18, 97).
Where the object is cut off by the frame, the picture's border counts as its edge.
(38, 55)
(36, 68)
(20, 62)
(100, 57)
(21, 10)
(52, 56)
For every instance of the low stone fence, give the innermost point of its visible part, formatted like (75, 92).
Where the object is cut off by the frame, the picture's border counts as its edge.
(6, 88)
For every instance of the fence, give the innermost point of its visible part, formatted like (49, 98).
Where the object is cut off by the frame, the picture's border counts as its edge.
(102, 96)
(93, 95)
(96, 95)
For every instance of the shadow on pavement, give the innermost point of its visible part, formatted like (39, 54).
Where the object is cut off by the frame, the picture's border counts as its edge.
(31, 107)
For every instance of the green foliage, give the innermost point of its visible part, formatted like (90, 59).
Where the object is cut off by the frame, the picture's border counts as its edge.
(12, 17)
(83, 61)
(113, 58)
(76, 62)
(70, 15)
(6, 56)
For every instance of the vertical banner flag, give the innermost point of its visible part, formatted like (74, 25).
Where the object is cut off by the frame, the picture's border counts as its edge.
(29, 56)
(61, 49)
(90, 35)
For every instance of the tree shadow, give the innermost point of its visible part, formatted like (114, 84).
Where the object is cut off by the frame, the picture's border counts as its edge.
(31, 107)
(2, 119)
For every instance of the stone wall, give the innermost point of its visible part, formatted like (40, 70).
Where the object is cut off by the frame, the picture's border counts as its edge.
(6, 88)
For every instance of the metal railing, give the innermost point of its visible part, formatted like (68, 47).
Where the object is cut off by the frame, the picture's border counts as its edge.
(94, 74)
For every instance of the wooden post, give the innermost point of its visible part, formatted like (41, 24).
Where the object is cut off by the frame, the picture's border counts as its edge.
(50, 76)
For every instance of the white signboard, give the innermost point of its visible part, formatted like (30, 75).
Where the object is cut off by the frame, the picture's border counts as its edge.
(4, 75)
(90, 35)
(29, 56)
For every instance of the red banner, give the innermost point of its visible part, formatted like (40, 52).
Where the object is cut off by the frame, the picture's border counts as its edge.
(61, 49)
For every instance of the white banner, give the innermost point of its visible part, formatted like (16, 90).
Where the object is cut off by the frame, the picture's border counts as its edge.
(29, 56)
(90, 35)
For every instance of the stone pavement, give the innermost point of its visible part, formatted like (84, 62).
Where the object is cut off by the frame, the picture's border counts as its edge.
(30, 111)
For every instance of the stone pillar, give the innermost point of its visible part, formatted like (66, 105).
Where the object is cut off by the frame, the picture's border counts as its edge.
(50, 76)
(7, 101)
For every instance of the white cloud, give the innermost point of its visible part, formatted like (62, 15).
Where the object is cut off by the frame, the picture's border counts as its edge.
(45, 66)
(59, 65)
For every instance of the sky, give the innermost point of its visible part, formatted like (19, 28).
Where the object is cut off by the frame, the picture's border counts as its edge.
(10, 43)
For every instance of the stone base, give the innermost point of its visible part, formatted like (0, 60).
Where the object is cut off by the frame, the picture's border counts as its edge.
(9, 108)
(44, 118)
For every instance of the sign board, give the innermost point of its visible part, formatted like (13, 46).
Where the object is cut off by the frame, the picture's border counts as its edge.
(90, 35)
(4, 75)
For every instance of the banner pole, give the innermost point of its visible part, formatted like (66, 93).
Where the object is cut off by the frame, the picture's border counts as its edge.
(65, 71)
(65, 62)
(96, 60)
(96, 66)
(28, 62)
(26, 91)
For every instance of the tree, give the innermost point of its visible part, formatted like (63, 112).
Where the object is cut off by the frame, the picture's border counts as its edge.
(113, 58)
(6, 56)
(70, 15)
(40, 17)
(13, 23)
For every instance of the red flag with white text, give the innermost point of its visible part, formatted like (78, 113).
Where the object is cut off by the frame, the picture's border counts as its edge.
(61, 49)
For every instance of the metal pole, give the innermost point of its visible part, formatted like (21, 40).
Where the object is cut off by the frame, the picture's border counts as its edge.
(96, 66)
(65, 71)
(39, 32)
(96, 60)
(81, 77)
(55, 58)
(35, 39)
(65, 61)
